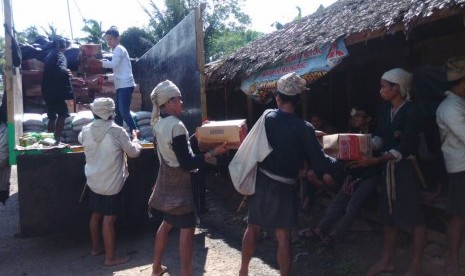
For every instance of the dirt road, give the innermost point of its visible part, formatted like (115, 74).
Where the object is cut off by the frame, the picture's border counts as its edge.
(63, 254)
(217, 247)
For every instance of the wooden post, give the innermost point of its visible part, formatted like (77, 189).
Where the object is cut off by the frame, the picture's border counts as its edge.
(201, 61)
(13, 87)
(226, 96)
(250, 110)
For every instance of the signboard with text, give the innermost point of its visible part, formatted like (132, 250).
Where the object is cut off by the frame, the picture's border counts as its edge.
(310, 65)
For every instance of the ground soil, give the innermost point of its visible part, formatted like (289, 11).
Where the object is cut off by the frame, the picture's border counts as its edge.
(217, 246)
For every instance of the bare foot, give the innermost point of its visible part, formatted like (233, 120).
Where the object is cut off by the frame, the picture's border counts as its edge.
(380, 267)
(158, 272)
(97, 252)
(116, 261)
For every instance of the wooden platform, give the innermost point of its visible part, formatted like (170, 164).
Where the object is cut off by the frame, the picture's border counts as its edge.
(50, 187)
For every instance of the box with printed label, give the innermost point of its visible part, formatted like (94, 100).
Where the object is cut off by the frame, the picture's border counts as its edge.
(347, 146)
(214, 133)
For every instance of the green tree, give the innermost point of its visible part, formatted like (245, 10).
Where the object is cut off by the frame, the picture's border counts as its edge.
(29, 35)
(51, 32)
(218, 16)
(162, 22)
(137, 41)
(94, 32)
(227, 41)
(278, 25)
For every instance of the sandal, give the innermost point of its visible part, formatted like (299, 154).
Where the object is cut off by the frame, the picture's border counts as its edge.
(164, 269)
(310, 234)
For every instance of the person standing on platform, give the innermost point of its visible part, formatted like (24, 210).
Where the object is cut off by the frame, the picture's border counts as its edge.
(106, 146)
(57, 88)
(123, 78)
(172, 193)
(451, 121)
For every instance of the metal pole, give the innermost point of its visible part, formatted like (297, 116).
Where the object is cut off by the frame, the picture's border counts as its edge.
(69, 18)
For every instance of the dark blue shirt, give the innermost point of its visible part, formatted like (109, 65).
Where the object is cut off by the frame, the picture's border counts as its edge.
(401, 133)
(293, 140)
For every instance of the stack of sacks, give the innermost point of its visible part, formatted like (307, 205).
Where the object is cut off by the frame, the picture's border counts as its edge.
(33, 122)
(81, 119)
(69, 136)
(143, 123)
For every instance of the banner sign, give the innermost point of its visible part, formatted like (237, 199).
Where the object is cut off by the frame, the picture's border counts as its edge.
(310, 65)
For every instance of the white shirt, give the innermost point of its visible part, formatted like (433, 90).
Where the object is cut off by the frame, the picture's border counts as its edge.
(106, 168)
(122, 69)
(450, 117)
(165, 130)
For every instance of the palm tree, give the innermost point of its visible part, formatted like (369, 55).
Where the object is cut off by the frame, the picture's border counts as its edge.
(52, 32)
(95, 33)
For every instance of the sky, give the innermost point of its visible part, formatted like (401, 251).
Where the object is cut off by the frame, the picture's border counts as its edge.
(128, 13)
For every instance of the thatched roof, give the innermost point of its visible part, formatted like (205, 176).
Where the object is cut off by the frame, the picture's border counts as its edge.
(355, 20)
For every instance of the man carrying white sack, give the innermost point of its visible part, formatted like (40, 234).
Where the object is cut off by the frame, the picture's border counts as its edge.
(274, 204)
(105, 146)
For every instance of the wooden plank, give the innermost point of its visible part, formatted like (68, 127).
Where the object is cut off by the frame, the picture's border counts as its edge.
(176, 58)
(201, 61)
(250, 116)
(13, 87)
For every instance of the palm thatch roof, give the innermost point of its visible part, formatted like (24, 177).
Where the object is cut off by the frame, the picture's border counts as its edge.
(354, 20)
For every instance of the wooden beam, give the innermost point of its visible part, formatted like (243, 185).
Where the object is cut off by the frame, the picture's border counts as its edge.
(13, 86)
(201, 61)
(250, 116)
(226, 97)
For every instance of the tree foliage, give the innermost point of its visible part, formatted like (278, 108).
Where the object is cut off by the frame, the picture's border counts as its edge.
(29, 35)
(51, 32)
(137, 41)
(94, 32)
(227, 41)
(278, 25)
(219, 16)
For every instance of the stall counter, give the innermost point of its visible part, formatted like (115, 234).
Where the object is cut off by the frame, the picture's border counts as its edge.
(50, 187)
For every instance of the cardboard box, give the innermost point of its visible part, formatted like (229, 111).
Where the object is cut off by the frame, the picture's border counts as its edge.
(214, 133)
(88, 63)
(32, 64)
(347, 146)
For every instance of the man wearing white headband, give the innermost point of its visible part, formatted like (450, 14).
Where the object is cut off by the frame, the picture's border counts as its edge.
(105, 146)
(172, 193)
(451, 121)
(274, 204)
(397, 136)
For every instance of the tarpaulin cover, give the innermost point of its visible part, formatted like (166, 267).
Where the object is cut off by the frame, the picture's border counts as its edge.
(430, 83)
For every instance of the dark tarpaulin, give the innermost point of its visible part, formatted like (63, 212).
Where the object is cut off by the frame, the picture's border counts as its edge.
(430, 84)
